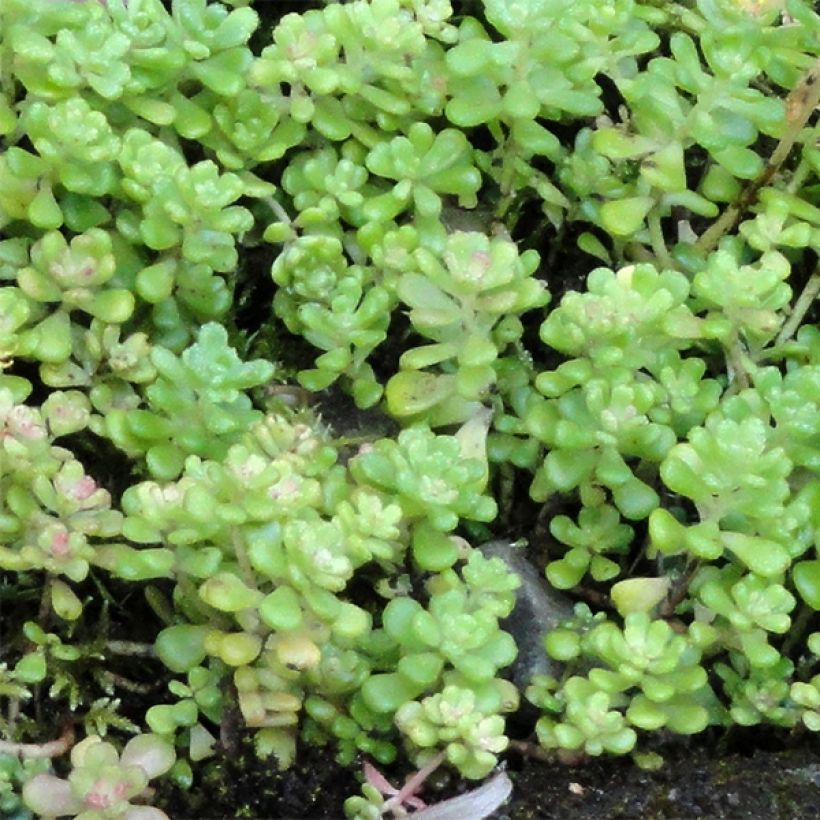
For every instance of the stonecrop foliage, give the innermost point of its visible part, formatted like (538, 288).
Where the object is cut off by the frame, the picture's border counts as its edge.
(212, 224)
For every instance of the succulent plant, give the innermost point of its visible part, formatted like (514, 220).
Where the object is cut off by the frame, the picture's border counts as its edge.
(223, 226)
(102, 782)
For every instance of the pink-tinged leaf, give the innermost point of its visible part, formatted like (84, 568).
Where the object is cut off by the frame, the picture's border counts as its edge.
(152, 753)
(48, 795)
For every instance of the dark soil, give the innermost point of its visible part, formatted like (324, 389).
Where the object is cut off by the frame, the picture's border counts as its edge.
(694, 782)
(244, 787)
(691, 784)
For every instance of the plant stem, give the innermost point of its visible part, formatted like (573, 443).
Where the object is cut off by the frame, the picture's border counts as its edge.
(13, 713)
(799, 176)
(245, 566)
(52, 748)
(800, 104)
(658, 242)
(413, 783)
(506, 493)
(131, 648)
(797, 632)
(130, 685)
(800, 309)
(735, 363)
(531, 750)
(277, 209)
(638, 253)
(678, 592)
(45, 602)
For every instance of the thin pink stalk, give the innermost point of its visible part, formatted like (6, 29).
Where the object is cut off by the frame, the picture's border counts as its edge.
(406, 794)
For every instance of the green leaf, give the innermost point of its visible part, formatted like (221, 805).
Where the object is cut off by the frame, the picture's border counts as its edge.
(281, 609)
(603, 569)
(635, 499)
(563, 644)
(234, 649)
(50, 341)
(165, 461)
(623, 217)
(351, 622)
(471, 57)
(479, 101)
(180, 647)
(137, 564)
(64, 602)
(431, 306)
(397, 619)
(31, 668)
(224, 73)
(155, 283)
(140, 531)
(590, 244)
(645, 715)
(43, 210)
(615, 144)
(719, 185)
(8, 119)
(566, 469)
(740, 162)
(475, 668)
(638, 594)
(433, 551)
(761, 555)
(160, 719)
(385, 693)
(477, 352)
(155, 111)
(410, 391)
(664, 169)
(666, 532)
(421, 668)
(112, 306)
(228, 593)
(569, 570)
(686, 718)
(806, 576)
(535, 139)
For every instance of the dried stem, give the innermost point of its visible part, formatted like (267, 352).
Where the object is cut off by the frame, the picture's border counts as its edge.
(800, 309)
(736, 363)
(800, 104)
(131, 648)
(51, 748)
(129, 685)
(678, 591)
(530, 750)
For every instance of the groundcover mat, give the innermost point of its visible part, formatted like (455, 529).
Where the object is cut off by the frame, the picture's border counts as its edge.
(409, 407)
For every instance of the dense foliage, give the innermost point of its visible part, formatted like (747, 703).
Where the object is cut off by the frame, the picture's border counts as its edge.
(416, 180)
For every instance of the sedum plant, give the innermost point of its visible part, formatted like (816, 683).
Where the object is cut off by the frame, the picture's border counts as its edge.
(102, 782)
(193, 401)
(277, 355)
